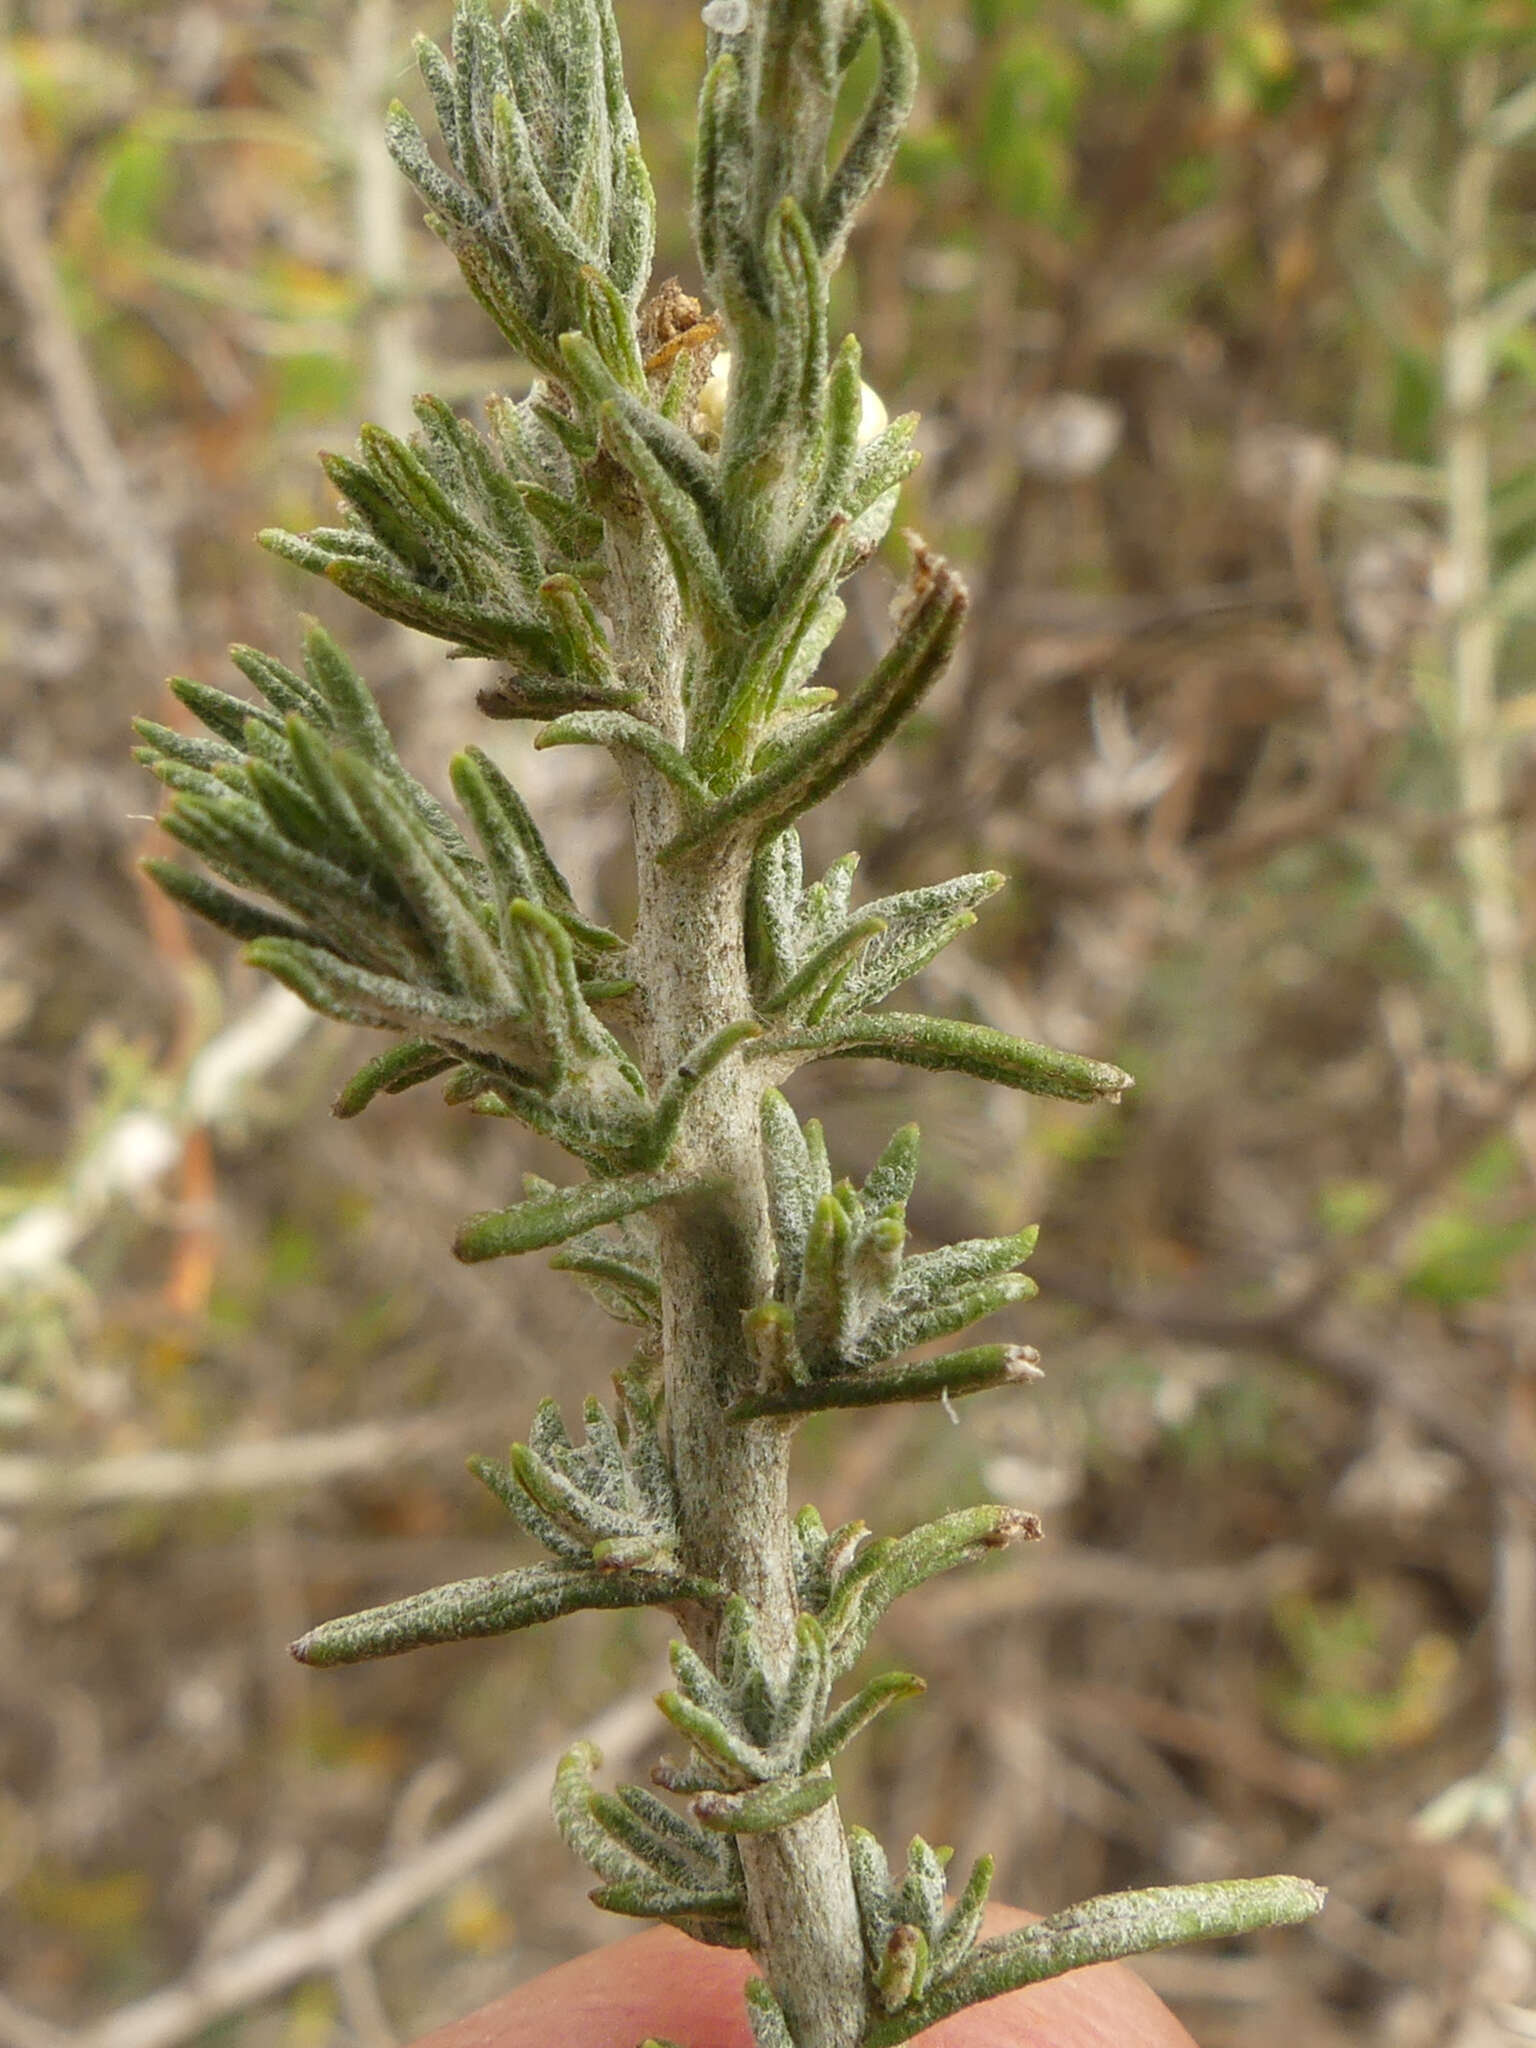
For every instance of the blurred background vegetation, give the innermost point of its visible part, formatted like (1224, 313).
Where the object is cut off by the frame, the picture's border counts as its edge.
(1220, 314)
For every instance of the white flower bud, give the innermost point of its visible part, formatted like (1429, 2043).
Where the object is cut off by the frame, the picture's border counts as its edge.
(873, 417)
(709, 413)
(709, 417)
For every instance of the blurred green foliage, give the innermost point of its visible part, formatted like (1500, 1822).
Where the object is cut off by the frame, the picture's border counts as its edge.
(1352, 1692)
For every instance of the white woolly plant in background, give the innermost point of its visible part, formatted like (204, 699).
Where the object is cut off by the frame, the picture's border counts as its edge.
(651, 543)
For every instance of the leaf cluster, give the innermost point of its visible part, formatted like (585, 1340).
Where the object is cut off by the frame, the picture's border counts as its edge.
(759, 1748)
(656, 1863)
(548, 183)
(609, 1502)
(771, 217)
(848, 1584)
(813, 958)
(389, 917)
(913, 1938)
(480, 540)
(847, 1298)
(605, 1509)
(765, 125)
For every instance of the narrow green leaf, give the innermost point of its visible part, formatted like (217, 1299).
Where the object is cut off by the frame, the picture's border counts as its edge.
(524, 198)
(622, 734)
(921, 1898)
(503, 1482)
(769, 1333)
(520, 862)
(437, 76)
(236, 838)
(284, 691)
(839, 744)
(888, 1334)
(792, 1190)
(944, 1045)
(211, 786)
(408, 148)
(484, 628)
(872, 145)
(894, 1565)
(890, 1181)
(576, 621)
(380, 511)
(337, 989)
(641, 1900)
(625, 1291)
(708, 1856)
(801, 1702)
(529, 694)
(842, 420)
(219, 711)
(822, 1300)
(773, 906)
(823, 966)
(976, 1371)
(492, 1606)
(435, 887)
(834, 1735)
(164, 742)
(683, 1082)
(608, 323)
(1106, 1929)
(290, 807)
(962, 1924)
(349, 701)
(391, 1073)
(929, 1276)
(732, 1754)
(496, 494)
(736, 1655)
(550, 1219)
(494, 281)
(548, 962)
(764, 1809)
(766, 2018)
(572, 1798)
(231, 913)
(658, 1851)
(574, 1506)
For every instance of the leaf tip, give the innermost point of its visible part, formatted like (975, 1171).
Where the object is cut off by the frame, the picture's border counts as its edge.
(1014, 1525)
(1022, 1362)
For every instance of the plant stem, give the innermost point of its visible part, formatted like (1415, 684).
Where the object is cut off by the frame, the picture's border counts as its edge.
(733, 1478)
(716, 1262)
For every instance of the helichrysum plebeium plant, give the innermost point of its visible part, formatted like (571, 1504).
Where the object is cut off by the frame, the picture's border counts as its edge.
(649, 545)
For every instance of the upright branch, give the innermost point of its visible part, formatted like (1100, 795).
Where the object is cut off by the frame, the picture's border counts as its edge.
(1479, 322)
(1476, 328)
(650, 543)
